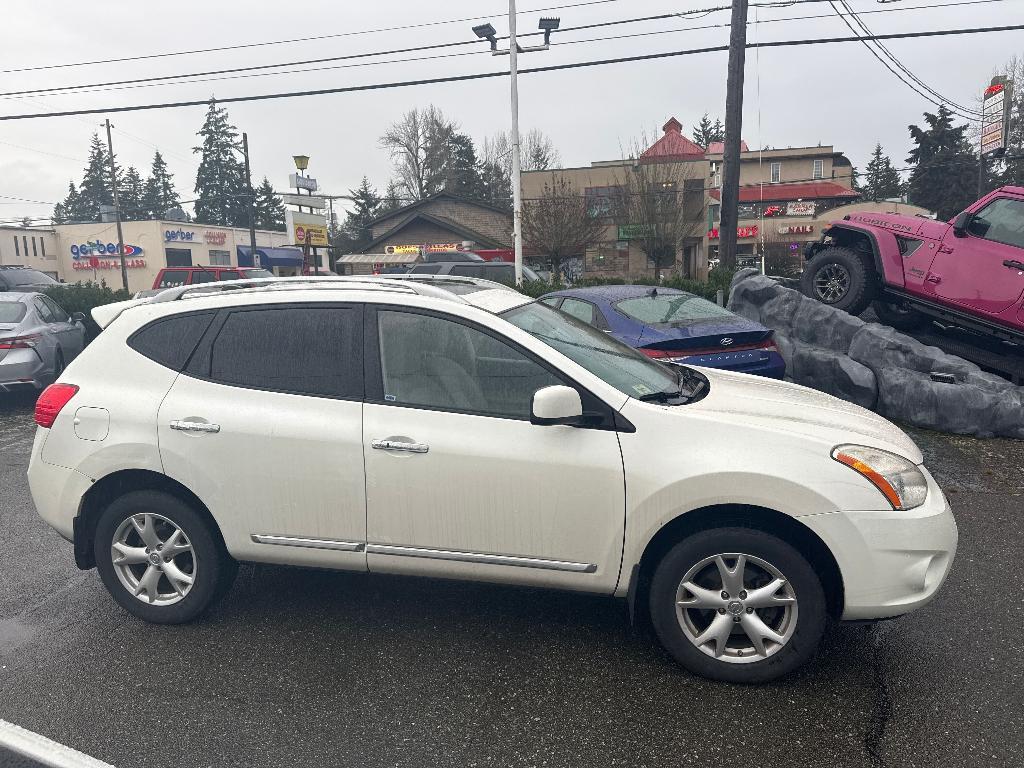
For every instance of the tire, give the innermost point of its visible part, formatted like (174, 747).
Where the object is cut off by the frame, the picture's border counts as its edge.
(897, 317)
(733, 656)
(840, 278)
(58, 365)
(146, 586)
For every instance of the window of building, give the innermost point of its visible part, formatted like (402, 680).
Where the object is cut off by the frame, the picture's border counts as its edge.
(24, 243)
(718, 180)
(42, 246)
(298, 350)
(35, 252)
(715, 212)
(776, 173)
(819, 169)
(220, 258)
(601, 200)
(17, 248)
(178, 257)
(436, 363)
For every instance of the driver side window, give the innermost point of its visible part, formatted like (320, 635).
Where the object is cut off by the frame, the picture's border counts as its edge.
(437, 363)
(1001, 221)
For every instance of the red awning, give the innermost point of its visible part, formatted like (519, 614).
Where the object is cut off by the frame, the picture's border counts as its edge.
(815, 190)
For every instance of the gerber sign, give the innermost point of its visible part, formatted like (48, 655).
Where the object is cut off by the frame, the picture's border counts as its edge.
(97, 248)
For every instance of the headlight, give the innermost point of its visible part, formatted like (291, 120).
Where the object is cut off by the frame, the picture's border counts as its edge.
(899, 479)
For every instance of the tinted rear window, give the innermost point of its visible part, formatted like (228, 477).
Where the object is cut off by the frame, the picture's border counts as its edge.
(170, 341)
(300, 350)
(12, 311)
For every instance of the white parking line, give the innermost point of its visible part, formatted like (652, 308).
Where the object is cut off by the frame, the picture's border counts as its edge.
(43, 750)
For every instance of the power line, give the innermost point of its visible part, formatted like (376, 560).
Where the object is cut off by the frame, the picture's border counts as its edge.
(307, 39)
(42, 152)
(186, 78)
(488, 75)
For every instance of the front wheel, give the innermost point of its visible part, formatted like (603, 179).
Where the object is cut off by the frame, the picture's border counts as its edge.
(738, 605)
(159, 558)
(840, 278)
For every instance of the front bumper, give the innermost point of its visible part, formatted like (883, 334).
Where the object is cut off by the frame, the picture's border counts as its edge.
(891, 562)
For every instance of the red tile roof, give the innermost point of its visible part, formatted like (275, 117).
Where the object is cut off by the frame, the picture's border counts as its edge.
(814, 190)
(718, 147)
(672, 146)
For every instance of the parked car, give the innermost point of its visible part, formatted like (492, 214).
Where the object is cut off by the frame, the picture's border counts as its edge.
(24, 279)
(674, 327)
(170, 277)
(484, 436)
(447, 256)
(37, 340)
(968, 271)
(498, 271)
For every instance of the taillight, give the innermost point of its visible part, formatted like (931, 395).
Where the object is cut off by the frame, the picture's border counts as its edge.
(51, 401)
(20, 342)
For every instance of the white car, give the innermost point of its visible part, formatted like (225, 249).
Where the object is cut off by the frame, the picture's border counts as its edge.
(454, 428)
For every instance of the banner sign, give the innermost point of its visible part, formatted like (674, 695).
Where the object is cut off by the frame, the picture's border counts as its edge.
(306, 228)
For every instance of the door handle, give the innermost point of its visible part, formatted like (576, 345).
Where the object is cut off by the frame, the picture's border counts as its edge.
(1014, 264)
(394, 445)
(933, 279)
(195, 426)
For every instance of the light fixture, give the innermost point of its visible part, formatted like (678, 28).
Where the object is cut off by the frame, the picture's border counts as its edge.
(487, 32)
(549, 24)
(301, 162)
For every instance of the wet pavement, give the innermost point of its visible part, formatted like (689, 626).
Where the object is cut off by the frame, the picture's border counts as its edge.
(311, 668)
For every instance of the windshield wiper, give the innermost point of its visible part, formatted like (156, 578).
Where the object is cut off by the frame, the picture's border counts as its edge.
(662, 396)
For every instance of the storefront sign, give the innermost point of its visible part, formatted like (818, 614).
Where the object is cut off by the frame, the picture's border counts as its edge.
(180, 236)
(306, 228)
(302, 182)
(740, 232)
(96, 248)
(393, 249)
(800, 208)
(796, 229)
(633, 231)
(442, 247)
(213, 237)
(773, 210)
(994, 123)
(97, 263)
(304, 201)
(424, 248)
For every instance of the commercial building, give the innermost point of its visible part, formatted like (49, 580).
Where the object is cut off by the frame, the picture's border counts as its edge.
(74, 252)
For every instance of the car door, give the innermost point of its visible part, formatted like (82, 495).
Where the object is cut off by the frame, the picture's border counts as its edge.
(459, 483)
(264, 426)
(70, 333)
(981, 269)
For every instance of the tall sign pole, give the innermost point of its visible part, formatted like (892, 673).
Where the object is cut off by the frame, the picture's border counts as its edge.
(252, 201)
(117, 208)
(733, 128)
(517, 191)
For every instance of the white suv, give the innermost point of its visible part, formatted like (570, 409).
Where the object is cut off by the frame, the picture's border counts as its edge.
(454, 428)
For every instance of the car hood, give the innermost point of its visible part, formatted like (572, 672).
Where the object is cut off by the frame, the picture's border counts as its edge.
(909, 226)
(781, 406)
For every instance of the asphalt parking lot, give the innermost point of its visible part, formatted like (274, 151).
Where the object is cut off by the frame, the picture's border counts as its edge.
(308, 668)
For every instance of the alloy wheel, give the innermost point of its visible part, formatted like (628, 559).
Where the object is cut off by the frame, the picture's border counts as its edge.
(154, 559)
(736, 608)
(831, 283)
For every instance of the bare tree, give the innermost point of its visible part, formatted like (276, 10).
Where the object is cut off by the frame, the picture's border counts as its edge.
(558, 225)
(661, 206)
(780, 259)
(418, 144)
(536, 150)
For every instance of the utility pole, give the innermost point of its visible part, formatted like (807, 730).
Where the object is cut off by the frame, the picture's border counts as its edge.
(252, 201)
(733, 128)
(117, 208)
(517, 168)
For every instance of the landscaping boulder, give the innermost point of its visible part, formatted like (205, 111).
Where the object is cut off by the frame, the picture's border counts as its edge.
(878, 346)
(824, 326)
(834, 373)
(747, 296)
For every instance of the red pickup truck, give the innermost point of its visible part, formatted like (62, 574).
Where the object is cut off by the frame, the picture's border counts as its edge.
(968, 271)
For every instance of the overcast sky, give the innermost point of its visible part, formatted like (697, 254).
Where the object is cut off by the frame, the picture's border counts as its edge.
(834, 94)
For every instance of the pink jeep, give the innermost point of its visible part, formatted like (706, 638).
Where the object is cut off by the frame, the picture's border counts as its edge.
(968, 272)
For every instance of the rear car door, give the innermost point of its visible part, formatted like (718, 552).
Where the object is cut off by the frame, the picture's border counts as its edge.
(460, 483)
(265, 426)
(70, 333)
(980, 270)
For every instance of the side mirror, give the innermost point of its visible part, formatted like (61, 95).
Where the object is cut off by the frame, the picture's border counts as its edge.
(961, 223)
(556, 405)
(78, 317)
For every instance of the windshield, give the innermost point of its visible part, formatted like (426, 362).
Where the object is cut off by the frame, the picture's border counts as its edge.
(27, 277)
(625, 369)
(12, 311)
(253, 274)
(673, 309)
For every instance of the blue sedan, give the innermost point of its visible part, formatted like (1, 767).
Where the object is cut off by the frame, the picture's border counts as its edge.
(674, 327)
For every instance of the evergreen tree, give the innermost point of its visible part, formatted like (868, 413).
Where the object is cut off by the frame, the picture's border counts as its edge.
(268, 208)
(392, 199)
(702, 132)
(717, 131)
(1013, 170)
(159, 194)
(366, 205)
(67, 211)
(220, 181)
(461, 176)
(96, 188)
(945, 175)
(130, 192)
(495, 185)
(882, 180)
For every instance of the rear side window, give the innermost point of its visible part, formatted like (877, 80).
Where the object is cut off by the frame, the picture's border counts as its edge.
(426, 269)
(59, 315)
(170, 341)
(467, 270)
(12, 311)
(299, 350)
(172, 278)
(44, 311)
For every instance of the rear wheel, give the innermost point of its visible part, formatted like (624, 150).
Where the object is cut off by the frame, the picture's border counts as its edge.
(841, 278)
(900, 318)
(160, 559)
(738, 605)
(58, 364)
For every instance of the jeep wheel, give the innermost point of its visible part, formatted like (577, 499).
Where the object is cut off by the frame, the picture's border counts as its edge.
(840, 278)
(900, 318)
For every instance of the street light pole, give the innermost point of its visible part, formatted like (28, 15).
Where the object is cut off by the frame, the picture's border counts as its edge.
(517, 169)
